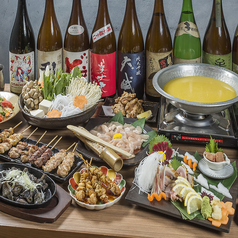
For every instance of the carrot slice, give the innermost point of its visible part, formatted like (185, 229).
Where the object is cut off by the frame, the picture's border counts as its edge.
(185, 159)
(80, 101)
(194, 166)
(158, 197)
(54, 113)
(230, 209)
(190, 163)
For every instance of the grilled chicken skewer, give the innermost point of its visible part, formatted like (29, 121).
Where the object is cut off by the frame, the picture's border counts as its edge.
(11, 141)
(55, 160)
(45, 156)
(7, 132)
(67, 163)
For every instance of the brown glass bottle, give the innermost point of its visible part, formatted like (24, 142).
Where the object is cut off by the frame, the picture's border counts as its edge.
(131, 58)
(76, 42)
(217, 43)
(49, 42)
(21, 50)
(235, 52)
(158, 48)
(103, 52)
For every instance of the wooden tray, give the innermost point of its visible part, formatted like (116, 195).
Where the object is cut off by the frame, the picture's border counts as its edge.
(50, 213)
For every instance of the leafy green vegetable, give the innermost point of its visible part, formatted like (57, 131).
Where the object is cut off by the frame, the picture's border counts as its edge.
(212, 146)
(151, 135)
(118, 118)
(175, 164)
(55, 84)
(157, 139)
(140, 123)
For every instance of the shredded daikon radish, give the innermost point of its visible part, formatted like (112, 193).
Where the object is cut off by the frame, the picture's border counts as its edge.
(145, 172)
(80, 86)
(221, 189)
(65, 105)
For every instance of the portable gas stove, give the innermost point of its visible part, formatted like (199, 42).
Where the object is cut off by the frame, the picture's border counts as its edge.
(181, 126)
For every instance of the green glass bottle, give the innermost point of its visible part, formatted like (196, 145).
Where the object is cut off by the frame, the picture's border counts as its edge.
(217, 43)
(187, 43)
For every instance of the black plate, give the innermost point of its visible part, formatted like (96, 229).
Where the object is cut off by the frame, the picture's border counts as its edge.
(49, 194)
(147, 105)
(56, 123)
(77, 162)
(93, 122)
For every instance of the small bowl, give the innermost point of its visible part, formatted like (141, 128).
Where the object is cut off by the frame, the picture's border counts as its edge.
(116, 177)
(216, 165)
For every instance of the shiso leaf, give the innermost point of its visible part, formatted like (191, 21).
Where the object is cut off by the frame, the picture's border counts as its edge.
(157, 139)
(118, 118)
(140, 123)
(175, 164)
(212, 146)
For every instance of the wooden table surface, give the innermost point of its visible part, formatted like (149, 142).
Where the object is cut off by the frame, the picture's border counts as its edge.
(121, 220)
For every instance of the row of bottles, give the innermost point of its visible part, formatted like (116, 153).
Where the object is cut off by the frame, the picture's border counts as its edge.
(136, 64)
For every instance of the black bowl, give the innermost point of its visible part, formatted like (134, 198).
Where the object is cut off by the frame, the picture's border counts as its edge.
(37, 173)
(56, 123)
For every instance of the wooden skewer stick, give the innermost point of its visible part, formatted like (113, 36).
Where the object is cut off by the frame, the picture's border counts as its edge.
(71, 146)
(75, 147)
(41, 137)
(91, 161)
(52, 140)
(17, 125)
(26, 129)
(32, 133)
(56, 143)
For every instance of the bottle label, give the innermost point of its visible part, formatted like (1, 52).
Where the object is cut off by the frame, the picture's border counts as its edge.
(218, 60)
(154, 63)
(21, 70)
(235, 68)
(75, 30)
(100, 33)
(187, 27)
(103, 72)
(131, 73)
(80, 59)
(51, 58)
(191, 61)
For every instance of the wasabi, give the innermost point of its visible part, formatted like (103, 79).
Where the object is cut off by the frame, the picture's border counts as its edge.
(206, 208)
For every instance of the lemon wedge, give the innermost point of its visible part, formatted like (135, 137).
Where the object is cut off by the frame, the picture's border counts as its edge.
(185, 182)
(146, 115)
(192, 193)
(183, 193)
(194, 204)
(178, 187)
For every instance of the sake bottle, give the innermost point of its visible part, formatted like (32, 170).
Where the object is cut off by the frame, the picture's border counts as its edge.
(76, 42)
(49, 42)
(103, 52)
(187, 44)
(21, 50)
(131, 57)
(235, 52)
(217, 43)
(158, 47)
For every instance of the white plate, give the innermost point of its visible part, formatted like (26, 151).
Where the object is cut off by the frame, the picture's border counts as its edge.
(13, 98)
(226, 172)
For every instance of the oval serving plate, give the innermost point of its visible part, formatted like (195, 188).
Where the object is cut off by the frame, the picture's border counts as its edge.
(49, 194)
(93, 122)
(13, 98)
(116, 177)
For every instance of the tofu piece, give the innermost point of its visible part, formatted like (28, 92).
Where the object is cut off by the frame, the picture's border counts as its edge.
(45, 105)
(37, 113)
(219, 157)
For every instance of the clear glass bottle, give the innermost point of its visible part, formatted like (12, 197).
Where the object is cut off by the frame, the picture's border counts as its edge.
(216, 42)
(21, 50)
(49, 42)
(187, 43)
(76, 42)
(103, 52)
(159, 51)
(131, 54)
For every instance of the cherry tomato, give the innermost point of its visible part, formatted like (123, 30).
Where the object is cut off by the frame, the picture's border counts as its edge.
(6, 104)
(1, 117)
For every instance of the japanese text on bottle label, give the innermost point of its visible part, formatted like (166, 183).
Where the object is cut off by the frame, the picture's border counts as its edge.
(131, 73)
(103, 72)
(154, 63)
(100, 33)
(21, 70)
(190, 61)
(187, 27)
(80, 59)
(75, 30)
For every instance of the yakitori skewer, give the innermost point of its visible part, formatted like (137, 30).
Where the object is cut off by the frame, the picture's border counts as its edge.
(12, 140)
(46, 155)
(40, 151)
(56, 159)
(7, 132)
(67, 163)
(15, 152)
